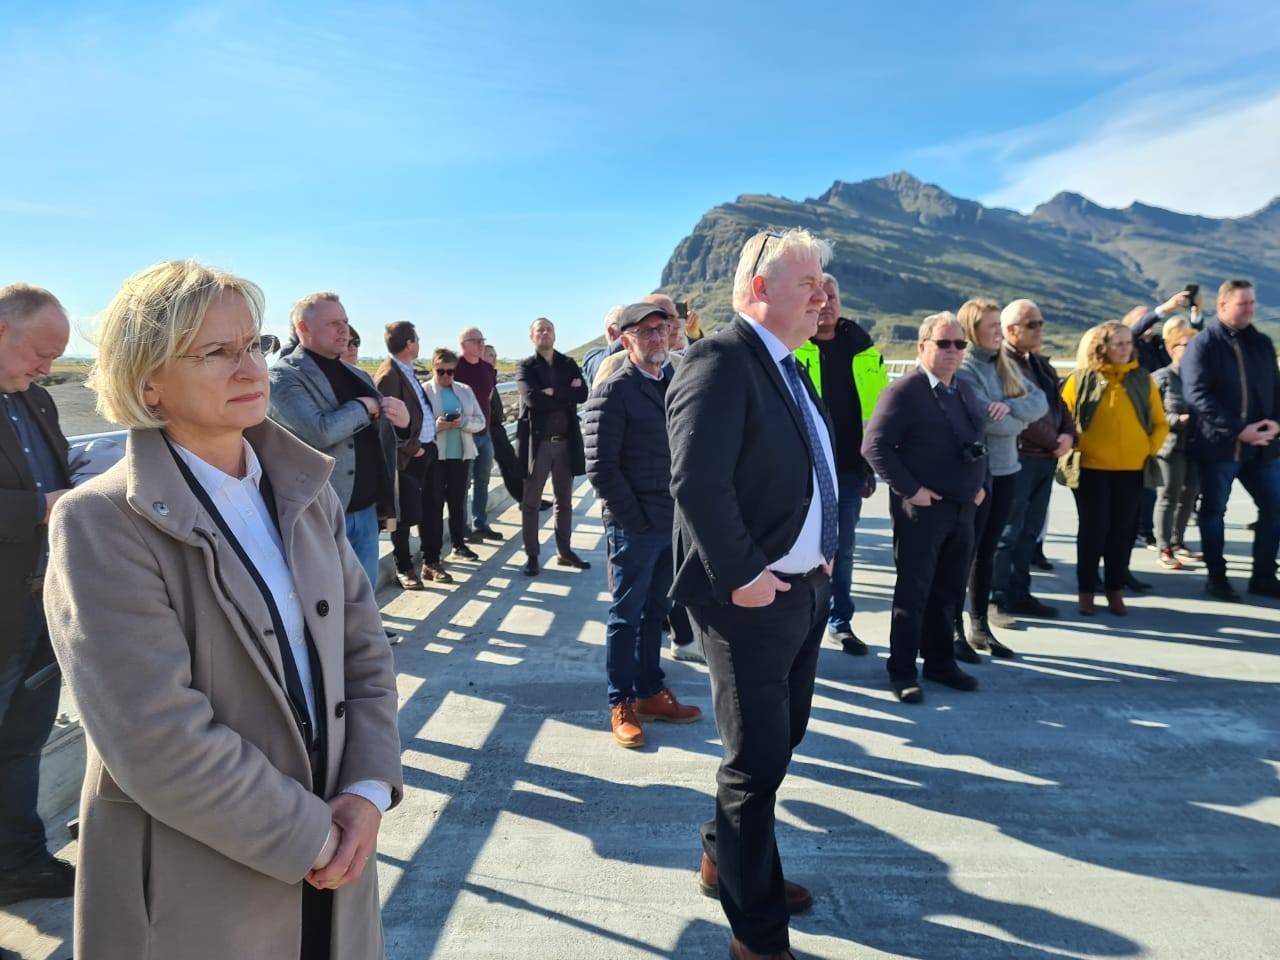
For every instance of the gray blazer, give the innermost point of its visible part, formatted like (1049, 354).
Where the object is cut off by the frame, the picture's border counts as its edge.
(304, 404)
(979, 371)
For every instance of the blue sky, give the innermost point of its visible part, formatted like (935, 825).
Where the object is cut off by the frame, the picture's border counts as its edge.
(491, 162)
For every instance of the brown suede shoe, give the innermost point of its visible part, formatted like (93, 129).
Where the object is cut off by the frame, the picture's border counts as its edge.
(798, 898)
(1086, 605)
(408, 580)
(663, 705)
(626, 726)
(1115, 603)
(436, 571)
(740, 951)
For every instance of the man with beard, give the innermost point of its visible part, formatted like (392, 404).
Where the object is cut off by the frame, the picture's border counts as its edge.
(629, 464)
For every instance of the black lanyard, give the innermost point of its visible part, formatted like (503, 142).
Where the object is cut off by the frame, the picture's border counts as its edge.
(292, 679)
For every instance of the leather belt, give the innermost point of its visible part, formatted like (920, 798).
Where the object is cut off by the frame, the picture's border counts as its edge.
(36, 583)
(559, 437)
(795, 577)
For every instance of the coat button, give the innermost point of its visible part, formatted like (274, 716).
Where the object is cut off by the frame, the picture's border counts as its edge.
(161, 508)
(322, 608)
(340, 710)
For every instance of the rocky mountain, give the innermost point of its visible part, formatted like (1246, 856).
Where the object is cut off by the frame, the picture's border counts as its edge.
(904, 248)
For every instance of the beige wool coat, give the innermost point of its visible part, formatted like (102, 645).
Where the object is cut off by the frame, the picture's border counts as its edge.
(197, 817)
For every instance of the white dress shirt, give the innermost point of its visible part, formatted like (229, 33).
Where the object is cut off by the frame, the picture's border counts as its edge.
(806, 552)
(245, 512)
(428, 432)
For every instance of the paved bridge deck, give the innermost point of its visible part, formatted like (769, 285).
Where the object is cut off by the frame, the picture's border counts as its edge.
(1111, 793)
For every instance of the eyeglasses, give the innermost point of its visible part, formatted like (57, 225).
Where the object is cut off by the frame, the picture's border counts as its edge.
(353, 344)
(950, 344)
(1031, 325)
(764, 243)
(649, 333)
(474, 340)
(445, 371)
(225, 360)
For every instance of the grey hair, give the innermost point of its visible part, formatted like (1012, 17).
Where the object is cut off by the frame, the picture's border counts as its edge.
(760, 253)
(830, 278)
(611, 321)
(302, 309)
(1014, 310)
(933, 321)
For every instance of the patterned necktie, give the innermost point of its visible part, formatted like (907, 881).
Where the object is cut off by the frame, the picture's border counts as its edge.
(826, 484)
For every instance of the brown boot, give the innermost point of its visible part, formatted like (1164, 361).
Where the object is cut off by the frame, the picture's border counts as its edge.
(663, 705)
(1086, 604)
(1115, 603)
(626, 726)
(740, 951)
(798, 898)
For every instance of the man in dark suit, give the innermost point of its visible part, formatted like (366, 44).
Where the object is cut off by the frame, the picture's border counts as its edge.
(925, 440)
(549, 440)
(753, 476)
(416, 455)
(33, 475)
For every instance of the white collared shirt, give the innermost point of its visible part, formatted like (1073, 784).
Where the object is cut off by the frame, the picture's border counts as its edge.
(933, 381)
(806, 552)
(245, 512)
(428, 432)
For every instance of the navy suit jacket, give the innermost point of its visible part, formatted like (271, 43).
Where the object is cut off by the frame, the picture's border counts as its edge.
(741, 472)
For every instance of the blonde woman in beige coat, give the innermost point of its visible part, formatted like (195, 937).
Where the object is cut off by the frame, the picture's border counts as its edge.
(225, 651)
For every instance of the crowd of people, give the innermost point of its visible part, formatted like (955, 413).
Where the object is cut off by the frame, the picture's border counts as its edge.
(250, 743)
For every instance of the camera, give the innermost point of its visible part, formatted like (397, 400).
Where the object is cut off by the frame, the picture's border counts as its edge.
(973, 452)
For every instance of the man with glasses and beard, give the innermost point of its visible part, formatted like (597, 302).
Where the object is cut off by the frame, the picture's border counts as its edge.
(925, 440)
(629, 464)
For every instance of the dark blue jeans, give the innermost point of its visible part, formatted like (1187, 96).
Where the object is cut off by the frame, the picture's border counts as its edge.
(1011, 575)
(1261, 478)
(640, 571)
(26, 717)
(850, 510)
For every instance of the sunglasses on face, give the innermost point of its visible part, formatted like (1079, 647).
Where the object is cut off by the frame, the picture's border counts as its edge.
(1031, 325)
(445, 371)
(950, 344)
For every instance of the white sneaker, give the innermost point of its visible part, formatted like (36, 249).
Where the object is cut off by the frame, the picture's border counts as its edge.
(689, 652)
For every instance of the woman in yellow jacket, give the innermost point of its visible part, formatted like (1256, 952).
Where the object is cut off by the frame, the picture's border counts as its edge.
(1122, 424)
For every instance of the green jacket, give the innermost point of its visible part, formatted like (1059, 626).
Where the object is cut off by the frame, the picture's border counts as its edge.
(869, 374)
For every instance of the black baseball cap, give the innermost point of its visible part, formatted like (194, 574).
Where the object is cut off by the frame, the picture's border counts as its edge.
(637, 312)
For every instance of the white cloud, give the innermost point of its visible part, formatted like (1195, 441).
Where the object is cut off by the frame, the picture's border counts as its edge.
(1200, 151)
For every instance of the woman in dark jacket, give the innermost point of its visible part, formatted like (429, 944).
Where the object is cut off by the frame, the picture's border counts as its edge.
(1179, 477)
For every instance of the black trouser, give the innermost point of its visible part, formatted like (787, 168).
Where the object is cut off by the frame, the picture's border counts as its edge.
(762, 663)
(508, 463)
(552, 459)
(988, 524)
(415, 506)
(317, 905)
(1107, 502)
(932, 548)
(681, 629)
(448, 486)
(26, 718)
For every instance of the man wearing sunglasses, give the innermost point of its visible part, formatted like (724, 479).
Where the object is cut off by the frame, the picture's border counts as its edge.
(926, 440)
(1040, 446)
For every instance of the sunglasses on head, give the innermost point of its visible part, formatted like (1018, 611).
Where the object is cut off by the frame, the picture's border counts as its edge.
(764, 243)
(950, 344)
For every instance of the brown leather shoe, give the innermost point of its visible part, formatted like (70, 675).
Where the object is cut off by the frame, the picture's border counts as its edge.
(1115, 603)
(408, 580)
(436, 571)
(798, 898)
(1086, 605)
(740, 951)
(626, 726)
(663, 705)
